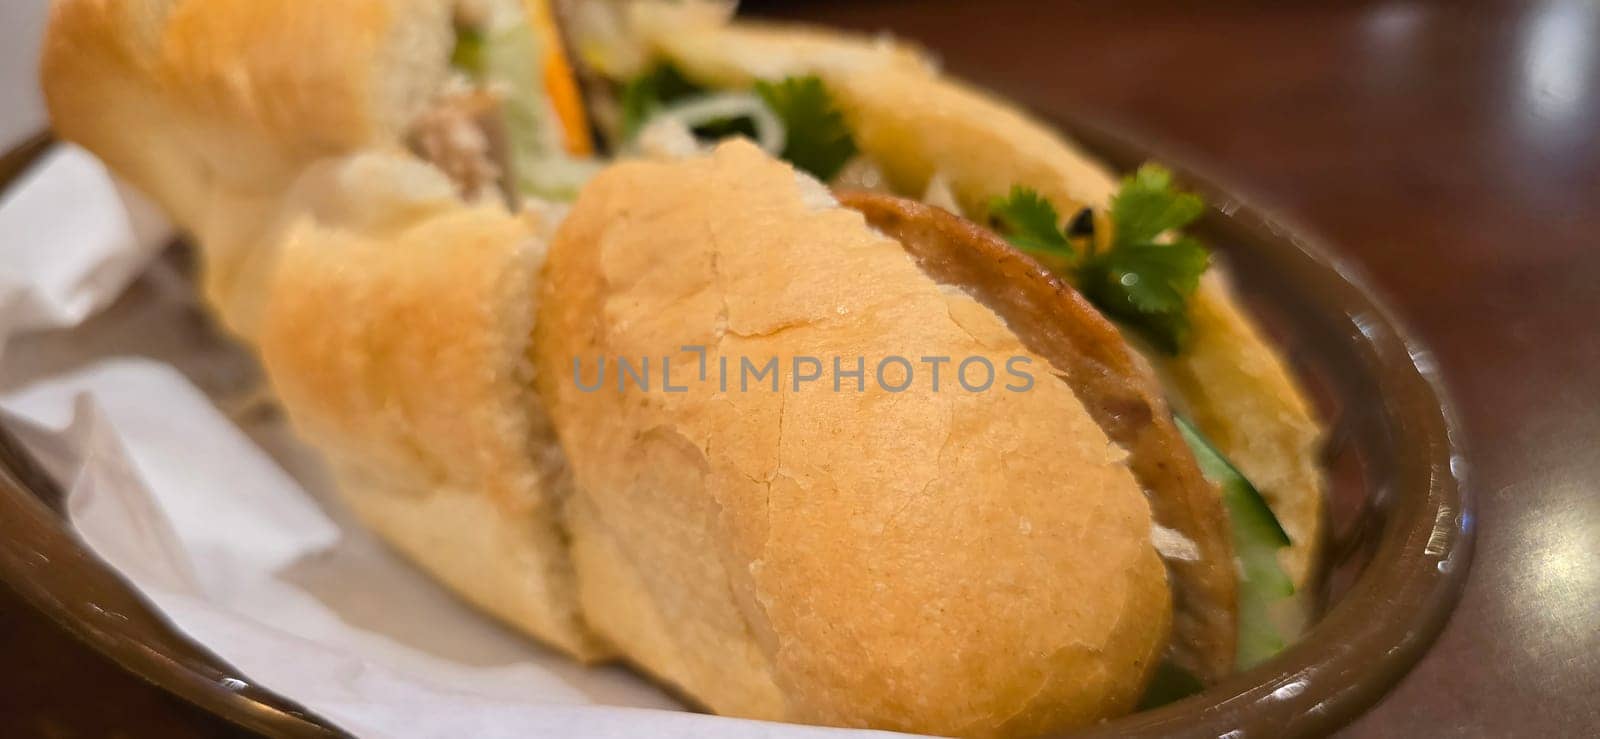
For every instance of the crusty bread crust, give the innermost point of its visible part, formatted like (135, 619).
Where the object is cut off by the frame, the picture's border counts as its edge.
(951, 562)
(242, 89)
(214, 107)
(395, 336)
(915, 123)
(392, 318)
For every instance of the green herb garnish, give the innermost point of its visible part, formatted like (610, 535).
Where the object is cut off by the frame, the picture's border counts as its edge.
(1142, 279)
(1149, 272)
(816, 137)
(1031, 224)
(648, 93)
(1147, 286)
(818, 141)
(1148, 206)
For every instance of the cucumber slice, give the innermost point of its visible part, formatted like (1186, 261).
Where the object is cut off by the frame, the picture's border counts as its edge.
(1257, 537)
(539, 167)
(507, 59)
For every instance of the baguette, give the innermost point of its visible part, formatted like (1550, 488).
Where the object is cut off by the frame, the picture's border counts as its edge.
(973, 564)
(391, 315)
(395, 335)
(215, 107)
(917, 125)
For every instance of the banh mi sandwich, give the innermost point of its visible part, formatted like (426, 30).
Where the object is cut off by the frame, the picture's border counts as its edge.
(1077, 537)
(890, 554)
(870, 112)
(313, 150)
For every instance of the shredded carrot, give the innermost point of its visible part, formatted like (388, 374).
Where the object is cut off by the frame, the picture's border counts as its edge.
(560, 86)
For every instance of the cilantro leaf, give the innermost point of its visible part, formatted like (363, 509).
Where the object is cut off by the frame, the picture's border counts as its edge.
(1147, 285)
(1153, 278)
(1030, 223)
(648, 93)
(1149, 272)
(1148, 206)
(818, 141)
(1143, 279)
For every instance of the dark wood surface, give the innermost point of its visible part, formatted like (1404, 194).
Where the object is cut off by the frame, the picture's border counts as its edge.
(1450, 150)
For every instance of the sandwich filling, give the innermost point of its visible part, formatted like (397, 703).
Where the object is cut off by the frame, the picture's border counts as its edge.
(509, 123)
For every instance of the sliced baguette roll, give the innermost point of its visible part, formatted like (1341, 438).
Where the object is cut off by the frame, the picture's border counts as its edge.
(392, 317)
(214, 107)
(950, 562)
(396, 335)
(915, 123)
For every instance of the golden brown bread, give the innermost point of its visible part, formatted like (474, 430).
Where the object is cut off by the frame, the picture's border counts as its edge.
(394, 321)
(915, 123)
(966, 563)
(392, 318)
(213, 107)
(1117, 388)
(395, 336)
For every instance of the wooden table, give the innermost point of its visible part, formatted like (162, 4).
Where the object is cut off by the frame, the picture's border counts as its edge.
(1448, 149)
